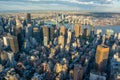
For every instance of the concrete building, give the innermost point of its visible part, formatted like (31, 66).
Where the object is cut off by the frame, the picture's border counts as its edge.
(51, 32)
(86, 33)
(6, 41)
(97, 76)
(119, 36)
(78, 72)
(69, 35)
(115, 66)
(27, 45)
(14, 43)
(28, 17)
(1, 29)
(78, 30)
(36, 33)
(61, 40)
(28, 32)
(45, 35)
(3, 56)
(62, 30)
(18, 23)
(58, 68)
(109, 32)
(99, 31)
(11, 58)
(101, 57)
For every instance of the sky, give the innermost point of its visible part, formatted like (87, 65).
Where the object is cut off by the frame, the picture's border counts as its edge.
(78, 5)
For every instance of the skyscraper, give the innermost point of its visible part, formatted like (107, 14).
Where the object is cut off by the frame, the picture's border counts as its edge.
(69, 35)
(17, 30)
(3, 57)
(1, 29)
(36, 33)
(51, 33)
(18, 23)
(101, 57)
(6, 41)
(14, 43)
(77, 30)
(62, 30)
(28, 17)
(85, 33)
(61, 40)
(109, 32)
(92, 30)
(97, 76)
(45, 35)
(28, 32)
(78, 72)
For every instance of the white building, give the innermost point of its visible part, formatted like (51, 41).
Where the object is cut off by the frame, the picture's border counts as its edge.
(69, 36)
(6, 41)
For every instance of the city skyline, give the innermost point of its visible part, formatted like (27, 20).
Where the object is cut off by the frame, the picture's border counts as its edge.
(60, 46)
(78, 5)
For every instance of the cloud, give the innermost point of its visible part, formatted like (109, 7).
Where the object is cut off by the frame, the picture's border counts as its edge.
(83, 5)
(81, 1)
(84, 2)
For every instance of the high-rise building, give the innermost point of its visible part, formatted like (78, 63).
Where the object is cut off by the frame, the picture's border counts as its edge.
(11, 58)
(98, 31)
(92, 30)
(78, 72)
(118, 36)
(29, 17)
(14, 43)
(58, 68)
(101, 57)
(62, 30)
(103, 38)
(109, 32)
(6, 41)
(69, 35)
(115, 66)
(97, 76)
(51, 33)
(86, 33)
(78, 30)
(61, 40)
(18, 23)
(27, 45)
(17, 30)
(3, 56)
(45, 35)
(28, 32)
(1, 29)
(36, 33)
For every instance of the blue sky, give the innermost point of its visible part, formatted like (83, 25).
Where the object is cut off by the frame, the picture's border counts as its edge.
(81, 5)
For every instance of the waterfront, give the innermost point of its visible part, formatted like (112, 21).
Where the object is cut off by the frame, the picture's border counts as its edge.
(116, 29)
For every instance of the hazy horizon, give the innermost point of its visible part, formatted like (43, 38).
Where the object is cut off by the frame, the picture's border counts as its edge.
(41, 11)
